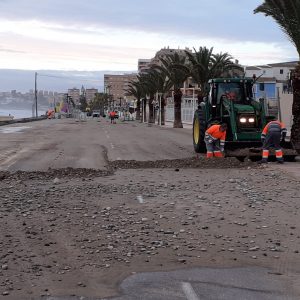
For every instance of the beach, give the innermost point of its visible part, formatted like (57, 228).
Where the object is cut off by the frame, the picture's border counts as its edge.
(19, 113)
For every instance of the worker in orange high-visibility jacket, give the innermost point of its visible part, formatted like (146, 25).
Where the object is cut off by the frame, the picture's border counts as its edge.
(273, 133)
(214, 139)
(112, 116)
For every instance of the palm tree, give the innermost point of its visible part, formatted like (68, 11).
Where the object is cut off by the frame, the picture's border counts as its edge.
(176, 71)
(205, 65)
(83, 102)
(99, 102)
(162, 85)
(286, 14)
(135, 90)
(148, 85)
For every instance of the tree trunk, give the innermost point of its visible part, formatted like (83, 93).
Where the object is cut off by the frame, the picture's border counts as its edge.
(151, 113)
(138, 110)
(295, 132)
(144, 110)
(177, 109)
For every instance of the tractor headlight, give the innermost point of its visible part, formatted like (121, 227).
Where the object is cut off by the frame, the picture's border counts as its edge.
(251, 120)
(243, 120)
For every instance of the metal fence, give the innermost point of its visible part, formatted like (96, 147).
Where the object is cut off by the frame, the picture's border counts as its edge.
(188, 107)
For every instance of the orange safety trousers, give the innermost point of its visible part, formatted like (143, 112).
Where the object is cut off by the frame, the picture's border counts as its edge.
(210, 154)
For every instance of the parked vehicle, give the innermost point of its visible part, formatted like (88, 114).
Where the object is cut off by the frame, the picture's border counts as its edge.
(88, 112)
(96, 114)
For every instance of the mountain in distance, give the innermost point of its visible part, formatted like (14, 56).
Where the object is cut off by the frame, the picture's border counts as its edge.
(52, 80)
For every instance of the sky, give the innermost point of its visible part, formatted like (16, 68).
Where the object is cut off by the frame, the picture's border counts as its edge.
(113, 34)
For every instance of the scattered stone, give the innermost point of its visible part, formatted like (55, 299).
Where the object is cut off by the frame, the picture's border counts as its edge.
(56, 180)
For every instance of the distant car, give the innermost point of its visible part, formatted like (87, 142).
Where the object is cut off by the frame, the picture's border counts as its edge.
(96, 114)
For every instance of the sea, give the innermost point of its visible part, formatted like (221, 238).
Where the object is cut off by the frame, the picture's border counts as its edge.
(20, 113)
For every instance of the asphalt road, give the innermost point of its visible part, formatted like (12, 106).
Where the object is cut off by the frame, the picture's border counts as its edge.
(66, 143)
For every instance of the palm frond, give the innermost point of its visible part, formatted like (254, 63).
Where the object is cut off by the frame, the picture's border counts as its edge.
(286, 14)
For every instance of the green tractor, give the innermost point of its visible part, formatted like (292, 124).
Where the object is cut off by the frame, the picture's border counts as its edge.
(231, 101)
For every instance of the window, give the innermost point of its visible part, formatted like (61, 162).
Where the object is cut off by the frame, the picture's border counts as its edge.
(261, 86)
(232, 91)
(281, 71)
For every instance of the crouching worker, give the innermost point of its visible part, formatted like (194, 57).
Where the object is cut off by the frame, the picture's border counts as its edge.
(215, 140)
(273, 133)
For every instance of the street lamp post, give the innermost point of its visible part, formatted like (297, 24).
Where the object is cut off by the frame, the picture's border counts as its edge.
(35, 94)
(193, 100)
(143, 110)
(160, 109)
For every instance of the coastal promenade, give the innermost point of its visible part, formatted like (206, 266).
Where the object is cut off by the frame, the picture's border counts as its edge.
(71, 143)
(127, 211)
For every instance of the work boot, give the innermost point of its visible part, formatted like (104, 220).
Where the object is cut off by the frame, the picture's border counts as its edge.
(263, 161)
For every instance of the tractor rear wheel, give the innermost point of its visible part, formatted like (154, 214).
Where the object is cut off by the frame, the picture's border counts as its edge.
(199, 127)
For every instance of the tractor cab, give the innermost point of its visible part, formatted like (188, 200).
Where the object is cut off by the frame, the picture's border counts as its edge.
(230, 101)
(238, 92)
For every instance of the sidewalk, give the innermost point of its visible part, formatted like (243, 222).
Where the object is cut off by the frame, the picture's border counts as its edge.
(185, 125)
(169, 124)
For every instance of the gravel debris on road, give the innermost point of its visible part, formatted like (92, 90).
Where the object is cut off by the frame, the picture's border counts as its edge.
(79, 231)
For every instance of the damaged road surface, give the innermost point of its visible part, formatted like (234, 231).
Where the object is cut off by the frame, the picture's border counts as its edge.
(176, 228)
(82, 236)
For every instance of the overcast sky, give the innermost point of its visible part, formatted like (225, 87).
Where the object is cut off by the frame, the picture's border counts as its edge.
(114, 34)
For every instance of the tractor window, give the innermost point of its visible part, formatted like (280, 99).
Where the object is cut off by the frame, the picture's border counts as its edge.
(233, 91)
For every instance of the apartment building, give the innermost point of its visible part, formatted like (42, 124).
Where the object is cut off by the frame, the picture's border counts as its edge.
(270, 77)
(90, 94)
(116, 85)
(143, 65)
(75, 94)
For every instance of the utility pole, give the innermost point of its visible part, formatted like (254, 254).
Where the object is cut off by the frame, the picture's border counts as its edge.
(35, 94)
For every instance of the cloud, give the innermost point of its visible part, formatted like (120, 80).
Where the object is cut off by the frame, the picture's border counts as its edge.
(227, 19)
(114, 34)
(10, 50)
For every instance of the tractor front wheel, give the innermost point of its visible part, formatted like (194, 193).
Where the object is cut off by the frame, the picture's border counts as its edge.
(199, 127)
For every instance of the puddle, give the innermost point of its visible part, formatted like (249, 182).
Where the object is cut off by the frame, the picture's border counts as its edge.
(13, 129)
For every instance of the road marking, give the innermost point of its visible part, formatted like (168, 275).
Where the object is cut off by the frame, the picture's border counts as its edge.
(189, 291)
(7, 163)
(6, 153)
(112, 146)
(14, 129)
